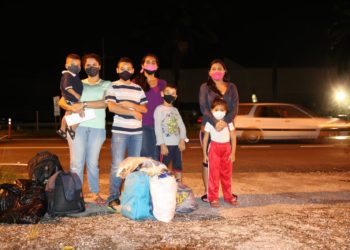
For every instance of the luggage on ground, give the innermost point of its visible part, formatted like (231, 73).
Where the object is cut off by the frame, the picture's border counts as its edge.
(136, 202)
(23, 202)
(42, 166)
(64, 194)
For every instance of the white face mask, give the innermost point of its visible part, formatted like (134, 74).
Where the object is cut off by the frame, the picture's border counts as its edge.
(219, 114)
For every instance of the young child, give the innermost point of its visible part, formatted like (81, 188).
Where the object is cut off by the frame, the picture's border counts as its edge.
(221, 155)
(128, 102)
(170, 131)
(71, 89)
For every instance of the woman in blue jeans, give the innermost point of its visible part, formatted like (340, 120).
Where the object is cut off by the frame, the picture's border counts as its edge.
(89, 135)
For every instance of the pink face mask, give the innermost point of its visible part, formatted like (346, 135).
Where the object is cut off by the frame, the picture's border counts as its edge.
(151, 67)
(217, 75)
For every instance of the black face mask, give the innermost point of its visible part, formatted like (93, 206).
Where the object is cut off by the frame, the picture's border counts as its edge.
(125, 75)
(150, 72)
(74, 69)
(169, 98)
(92, 71)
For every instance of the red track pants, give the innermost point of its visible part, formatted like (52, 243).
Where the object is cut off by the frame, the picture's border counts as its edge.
(220, 169)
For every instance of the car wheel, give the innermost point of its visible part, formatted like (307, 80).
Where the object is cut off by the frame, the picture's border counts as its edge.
(252, 136)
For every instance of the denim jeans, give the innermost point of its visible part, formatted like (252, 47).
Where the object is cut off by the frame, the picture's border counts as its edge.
(85, 148)
(149, 147)
(120, 144)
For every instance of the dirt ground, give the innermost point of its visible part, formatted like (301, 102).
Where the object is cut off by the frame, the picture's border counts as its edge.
(276, 211)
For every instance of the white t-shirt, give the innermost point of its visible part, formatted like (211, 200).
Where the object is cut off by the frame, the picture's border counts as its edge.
(222, 136)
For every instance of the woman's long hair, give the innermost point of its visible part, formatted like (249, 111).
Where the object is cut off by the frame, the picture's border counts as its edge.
(211, 83)
(140, 78)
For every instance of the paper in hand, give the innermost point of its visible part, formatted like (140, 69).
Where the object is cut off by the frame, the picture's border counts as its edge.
(75, 118)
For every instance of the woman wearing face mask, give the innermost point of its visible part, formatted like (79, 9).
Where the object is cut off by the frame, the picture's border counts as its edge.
(152, 86)
(217, 86)
(91, 134)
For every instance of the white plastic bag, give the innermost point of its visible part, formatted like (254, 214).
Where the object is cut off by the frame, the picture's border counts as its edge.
(163, 191)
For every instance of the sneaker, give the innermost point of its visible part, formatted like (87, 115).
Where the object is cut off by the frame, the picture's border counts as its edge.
(114, 204)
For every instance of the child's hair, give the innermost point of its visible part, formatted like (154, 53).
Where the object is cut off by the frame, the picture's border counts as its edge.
(124, 60)
(92, 55)
(169, 85)
(218, 101)
(73, 56)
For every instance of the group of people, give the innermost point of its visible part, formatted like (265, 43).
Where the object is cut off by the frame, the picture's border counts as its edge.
(146, 123)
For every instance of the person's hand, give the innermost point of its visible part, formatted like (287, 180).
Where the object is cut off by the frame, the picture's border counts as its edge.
(205, 158)
(137, 115)
(127, 104)
(232, 157)
(77, 107)
(220, 125)
(82, 113)
(182, 145)
(164, 149)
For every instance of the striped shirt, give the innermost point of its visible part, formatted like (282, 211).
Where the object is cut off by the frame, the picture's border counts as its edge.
(120, 91)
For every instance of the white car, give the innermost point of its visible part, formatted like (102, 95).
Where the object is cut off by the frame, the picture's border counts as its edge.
(278, 121)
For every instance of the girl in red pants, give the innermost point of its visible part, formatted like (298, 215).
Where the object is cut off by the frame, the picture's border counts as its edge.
(221, 155)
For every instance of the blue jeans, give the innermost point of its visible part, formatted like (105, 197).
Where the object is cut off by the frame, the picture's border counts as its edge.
(121, 143)
(149, 147)
(85, 148)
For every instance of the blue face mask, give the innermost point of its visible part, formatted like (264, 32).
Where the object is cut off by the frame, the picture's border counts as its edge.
(74, 69)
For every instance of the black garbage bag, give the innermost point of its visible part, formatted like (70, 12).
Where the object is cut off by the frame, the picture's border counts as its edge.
(23, 202)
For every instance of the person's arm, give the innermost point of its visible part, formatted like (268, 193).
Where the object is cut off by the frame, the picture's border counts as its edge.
(158, 131)
(118, 109)
(182, 128)
(74, 93)
(232, 105)
(131, 105)
(76, 107)
(233, 144)
(95, 104)
(205, 145)
(205, 105)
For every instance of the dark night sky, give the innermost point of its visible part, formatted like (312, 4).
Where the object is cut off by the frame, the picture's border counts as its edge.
(34, 45)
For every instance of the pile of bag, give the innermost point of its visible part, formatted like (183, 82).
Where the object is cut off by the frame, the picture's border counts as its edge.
(151, 191)
(48, 189)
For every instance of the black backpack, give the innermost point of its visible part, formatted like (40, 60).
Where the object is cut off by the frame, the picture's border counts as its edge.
(64, 194)
(43, 165)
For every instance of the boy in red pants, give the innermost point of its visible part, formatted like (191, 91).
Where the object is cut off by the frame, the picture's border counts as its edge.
(221, 155)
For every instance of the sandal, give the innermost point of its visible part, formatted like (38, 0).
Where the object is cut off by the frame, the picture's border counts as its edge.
(204, 198)
(114, 204)
(61, 133)
(98, 200)
(71, 132)
(214, 204)
(233, 201)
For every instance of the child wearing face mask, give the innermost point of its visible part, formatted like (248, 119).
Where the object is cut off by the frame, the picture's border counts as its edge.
(71, 89)
(128, 102)
(221, 155)
(170, 131)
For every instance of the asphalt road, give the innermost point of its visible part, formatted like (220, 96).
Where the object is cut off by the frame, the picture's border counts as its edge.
(264, 157)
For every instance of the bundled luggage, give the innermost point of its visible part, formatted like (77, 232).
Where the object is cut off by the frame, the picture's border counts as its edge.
(22, 202)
